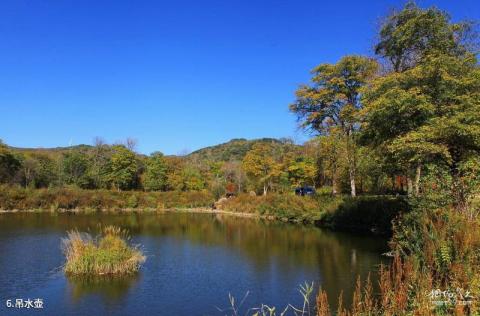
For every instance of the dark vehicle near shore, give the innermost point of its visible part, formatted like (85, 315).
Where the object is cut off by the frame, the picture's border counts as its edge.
(302, 191)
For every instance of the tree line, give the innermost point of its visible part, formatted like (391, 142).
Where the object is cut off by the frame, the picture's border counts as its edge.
(119, 167)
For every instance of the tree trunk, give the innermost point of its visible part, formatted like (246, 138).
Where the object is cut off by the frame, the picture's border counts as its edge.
(334, 185)
(351, 164)
(265, 188)
(417, 179)
(458, 188)
(409, 185)
(352, 182)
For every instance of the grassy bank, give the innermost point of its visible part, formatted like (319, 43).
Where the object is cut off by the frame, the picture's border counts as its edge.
(366, 214)
(109, 254)
(286, 207)
(16, 198)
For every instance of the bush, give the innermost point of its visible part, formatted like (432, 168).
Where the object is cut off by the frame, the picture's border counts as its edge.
(109, 255)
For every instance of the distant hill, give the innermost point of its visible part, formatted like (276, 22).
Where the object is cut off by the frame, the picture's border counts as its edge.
(235, 149)
(52, 152)
(53, 149)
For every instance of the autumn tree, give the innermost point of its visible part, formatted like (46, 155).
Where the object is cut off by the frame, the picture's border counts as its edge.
(234, 173)
(183, 175)
(300, 169)
(333, 101)
(260, 164)
(330, 156)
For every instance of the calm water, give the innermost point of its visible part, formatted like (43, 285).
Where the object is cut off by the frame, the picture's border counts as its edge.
(194, 262)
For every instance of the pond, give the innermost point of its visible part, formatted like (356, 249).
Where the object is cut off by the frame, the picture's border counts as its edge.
(193, 262)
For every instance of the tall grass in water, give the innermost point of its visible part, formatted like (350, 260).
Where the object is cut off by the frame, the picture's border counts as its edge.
(108, 254)
(306, 309)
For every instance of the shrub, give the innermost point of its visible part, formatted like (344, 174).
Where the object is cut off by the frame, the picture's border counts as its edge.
(108, 255)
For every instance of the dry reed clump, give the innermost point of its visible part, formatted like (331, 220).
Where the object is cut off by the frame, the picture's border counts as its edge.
(437, 251)
(108, 254)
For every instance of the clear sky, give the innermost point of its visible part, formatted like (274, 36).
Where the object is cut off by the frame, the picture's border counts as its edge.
(176, 75)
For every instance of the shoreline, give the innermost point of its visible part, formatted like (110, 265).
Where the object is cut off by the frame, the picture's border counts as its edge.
(194, 210)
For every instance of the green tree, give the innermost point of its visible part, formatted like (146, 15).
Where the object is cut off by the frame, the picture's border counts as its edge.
(75, 166)
(45, 173)
(430, 113)
(407, 36)
(192, 179)
(123, 168)
(333, 101)
(100, 157)
(426, 110)
(9, 164)
(155, 176)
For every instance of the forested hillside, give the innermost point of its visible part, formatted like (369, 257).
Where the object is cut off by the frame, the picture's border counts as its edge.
(235, 149)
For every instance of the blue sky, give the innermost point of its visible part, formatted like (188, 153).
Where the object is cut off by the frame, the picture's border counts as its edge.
(176, 75)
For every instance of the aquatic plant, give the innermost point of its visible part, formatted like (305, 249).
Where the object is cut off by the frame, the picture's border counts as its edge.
(306, 290)
(108, 254)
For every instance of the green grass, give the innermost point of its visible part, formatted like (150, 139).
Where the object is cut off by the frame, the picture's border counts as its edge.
(109, 254)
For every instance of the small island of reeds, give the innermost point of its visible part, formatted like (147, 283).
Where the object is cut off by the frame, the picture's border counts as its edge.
(108, 254)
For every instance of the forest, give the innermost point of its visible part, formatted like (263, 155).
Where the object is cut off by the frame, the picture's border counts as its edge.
(402, 124)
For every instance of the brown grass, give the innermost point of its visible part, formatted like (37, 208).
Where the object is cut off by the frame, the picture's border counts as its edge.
(437, 249)
(16, 198)
(109, 254)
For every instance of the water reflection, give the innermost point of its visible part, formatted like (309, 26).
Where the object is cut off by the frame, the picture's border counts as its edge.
(198, 258)
(110, 289)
